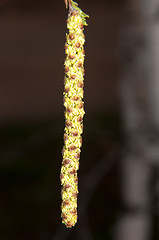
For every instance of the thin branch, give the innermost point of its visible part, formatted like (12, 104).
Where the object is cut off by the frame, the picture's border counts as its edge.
(84, 226)
(68, 3)
(89, 184)
(91, 181)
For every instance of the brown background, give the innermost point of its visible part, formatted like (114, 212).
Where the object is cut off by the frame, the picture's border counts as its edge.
(32, 37)
(32, 40)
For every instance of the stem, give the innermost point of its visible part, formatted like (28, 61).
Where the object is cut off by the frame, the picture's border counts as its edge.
(68, 2)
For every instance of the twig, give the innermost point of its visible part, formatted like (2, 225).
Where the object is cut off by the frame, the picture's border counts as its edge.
(91, 180)
(89, 184)
(21, 149)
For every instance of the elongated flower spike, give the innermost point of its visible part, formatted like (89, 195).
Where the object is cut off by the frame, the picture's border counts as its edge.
(74, 111)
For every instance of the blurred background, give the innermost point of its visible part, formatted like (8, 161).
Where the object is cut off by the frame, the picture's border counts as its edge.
(118, 199)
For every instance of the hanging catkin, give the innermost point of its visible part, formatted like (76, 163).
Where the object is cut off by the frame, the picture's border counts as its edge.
(74, 111)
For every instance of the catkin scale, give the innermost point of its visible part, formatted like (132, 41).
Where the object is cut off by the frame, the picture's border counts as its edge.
(74, 112)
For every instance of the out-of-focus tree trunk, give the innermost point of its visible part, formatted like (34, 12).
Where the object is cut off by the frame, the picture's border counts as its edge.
(140, 109)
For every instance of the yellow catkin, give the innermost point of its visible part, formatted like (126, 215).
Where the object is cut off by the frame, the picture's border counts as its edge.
(74, 112)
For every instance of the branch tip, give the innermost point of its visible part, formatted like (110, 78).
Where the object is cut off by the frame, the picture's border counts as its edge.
(68, 2)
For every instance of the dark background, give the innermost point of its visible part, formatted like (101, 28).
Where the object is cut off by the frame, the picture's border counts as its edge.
(32, 36)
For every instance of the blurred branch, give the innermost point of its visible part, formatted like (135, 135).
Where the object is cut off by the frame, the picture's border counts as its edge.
(34, 141)
(84, 226)
(91, 181)
(139, 95)
(89, 184)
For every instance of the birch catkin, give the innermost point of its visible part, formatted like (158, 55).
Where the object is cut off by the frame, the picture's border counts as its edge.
(74, 112)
